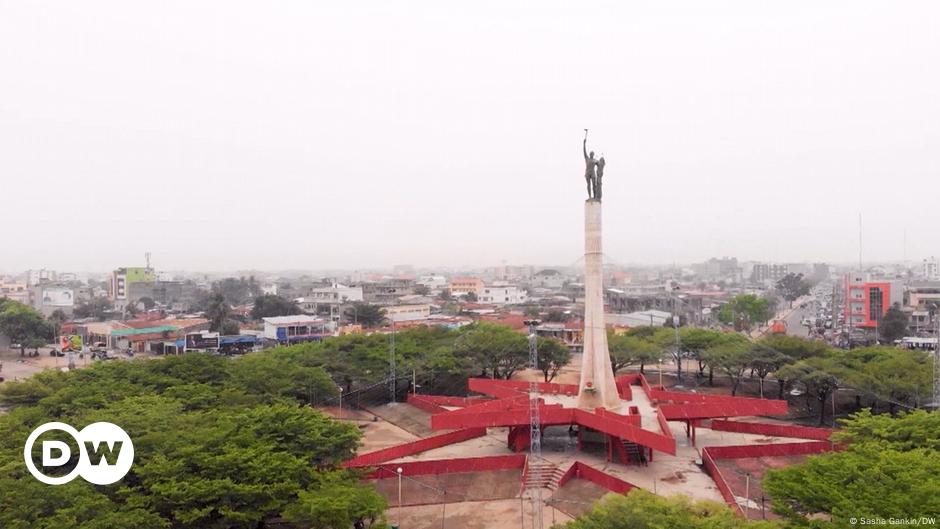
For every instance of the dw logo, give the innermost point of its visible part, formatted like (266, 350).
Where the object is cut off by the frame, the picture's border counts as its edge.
(106, 453)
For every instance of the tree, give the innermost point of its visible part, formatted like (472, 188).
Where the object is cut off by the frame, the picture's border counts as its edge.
(744, 311)
(471, 297)
(421, 290)
(556, 316)
(148, 302)
(889, 468)
(893, 325)
(640, 509)
(218, 311)
(553, 355)
(58, 317)
(366, 314)
(337, 501)
(23, 325)
(731, 355)
(792, 286)
(496, 349)
(766, 360)
(816, 378)
(696, 341)
(218, 444)
(230, 328)
(97, 308)
(271, 305)
(237, 290)
(629, 349)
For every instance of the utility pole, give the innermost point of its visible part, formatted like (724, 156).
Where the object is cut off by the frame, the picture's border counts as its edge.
(936, 369)
(392, 380)
(535, 423)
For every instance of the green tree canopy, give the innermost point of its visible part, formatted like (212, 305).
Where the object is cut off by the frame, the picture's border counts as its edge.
(218, 444)
(889, 469)
(744, 311)
(271, 305)
(644, 510)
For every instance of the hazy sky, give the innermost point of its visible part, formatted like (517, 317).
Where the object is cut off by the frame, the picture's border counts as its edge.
(301, 134)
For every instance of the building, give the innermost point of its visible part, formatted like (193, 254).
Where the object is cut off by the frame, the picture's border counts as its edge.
(502, 295)
(570, 334)
(47, 299)
(296, 329)
(403, 313)
(15, 291)
(123, 277)
(548, 278)
(461, 286)
(866, 302)
(930, 269)
(768, 272)
(386, 291)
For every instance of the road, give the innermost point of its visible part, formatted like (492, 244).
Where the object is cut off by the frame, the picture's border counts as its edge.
(794, 319)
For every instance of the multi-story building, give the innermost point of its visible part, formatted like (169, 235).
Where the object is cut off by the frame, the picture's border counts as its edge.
(461, 286)
(15, 291)
(50, 298)
(930, 269)
(503, 295)
(768, 272)
(867, 301)
(403, 313)
(121, 279)
(387, 291)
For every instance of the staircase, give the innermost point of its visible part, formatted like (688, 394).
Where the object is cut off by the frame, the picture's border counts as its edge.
(541, 474)
(634, 452)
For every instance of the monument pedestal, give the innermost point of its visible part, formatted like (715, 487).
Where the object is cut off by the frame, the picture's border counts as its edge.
(598, 388)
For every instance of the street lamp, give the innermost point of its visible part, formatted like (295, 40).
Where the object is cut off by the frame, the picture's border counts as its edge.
(340, 401)
(399, 470)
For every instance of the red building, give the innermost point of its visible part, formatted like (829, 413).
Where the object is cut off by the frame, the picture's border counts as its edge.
(866, 302)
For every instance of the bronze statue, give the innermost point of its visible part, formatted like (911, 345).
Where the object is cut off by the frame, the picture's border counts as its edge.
(590, 166)
(593, 171)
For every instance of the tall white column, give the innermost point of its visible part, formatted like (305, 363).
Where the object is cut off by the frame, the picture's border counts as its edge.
(598, 388)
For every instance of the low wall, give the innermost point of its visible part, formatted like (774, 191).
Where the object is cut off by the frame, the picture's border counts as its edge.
(582, 471)
(709, 463)
(765, 450)
(425, 404)
(778, 430)
(712, 453)
(449, 466)
(414, 447)
(663, 423)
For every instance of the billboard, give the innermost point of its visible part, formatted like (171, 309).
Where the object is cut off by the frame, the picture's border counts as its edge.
(72, 342)
(58, 297)
(202, 341)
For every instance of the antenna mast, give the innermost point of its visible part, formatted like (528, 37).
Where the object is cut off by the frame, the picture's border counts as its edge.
(535, 424)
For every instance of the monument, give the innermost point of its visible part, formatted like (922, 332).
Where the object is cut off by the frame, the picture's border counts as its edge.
(597, 388)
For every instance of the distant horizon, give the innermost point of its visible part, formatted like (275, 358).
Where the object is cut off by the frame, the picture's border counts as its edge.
(419, 268)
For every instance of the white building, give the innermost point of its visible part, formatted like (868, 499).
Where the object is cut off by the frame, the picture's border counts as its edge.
(502, 295)
(401, 313)
(295, 329)
(931, 269)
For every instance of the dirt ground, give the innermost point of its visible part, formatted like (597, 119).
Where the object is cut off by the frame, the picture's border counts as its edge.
(493, 514)
(15, 367)
(463, 486)
(577, 497)
(407, 417)
(735, 472)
